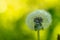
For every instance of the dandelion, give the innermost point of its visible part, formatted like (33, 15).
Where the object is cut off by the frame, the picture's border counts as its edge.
(41, 17)
(37, 20)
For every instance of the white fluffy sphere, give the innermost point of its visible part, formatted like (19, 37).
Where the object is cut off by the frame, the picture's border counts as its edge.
(39, 13)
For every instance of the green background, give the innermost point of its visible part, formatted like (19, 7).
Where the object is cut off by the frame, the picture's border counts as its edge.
(13, 15)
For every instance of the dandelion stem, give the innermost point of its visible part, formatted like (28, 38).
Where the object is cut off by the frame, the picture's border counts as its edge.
(38, 35)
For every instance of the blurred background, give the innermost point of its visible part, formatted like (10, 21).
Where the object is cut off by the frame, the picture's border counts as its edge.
(13, 15)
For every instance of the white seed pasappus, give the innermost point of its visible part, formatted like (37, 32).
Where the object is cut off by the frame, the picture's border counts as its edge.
(47, 19)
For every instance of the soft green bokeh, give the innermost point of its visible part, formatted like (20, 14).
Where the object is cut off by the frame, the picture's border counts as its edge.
(13, 14)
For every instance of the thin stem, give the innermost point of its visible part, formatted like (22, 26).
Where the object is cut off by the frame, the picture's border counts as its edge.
(38, 35)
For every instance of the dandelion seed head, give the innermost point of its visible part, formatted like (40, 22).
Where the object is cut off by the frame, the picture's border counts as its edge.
(44, 18)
